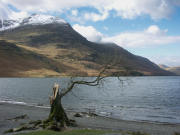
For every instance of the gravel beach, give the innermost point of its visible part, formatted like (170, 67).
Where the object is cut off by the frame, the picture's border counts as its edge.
(9, 111)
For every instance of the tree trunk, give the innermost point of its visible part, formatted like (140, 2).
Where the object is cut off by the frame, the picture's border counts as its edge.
(57, 113)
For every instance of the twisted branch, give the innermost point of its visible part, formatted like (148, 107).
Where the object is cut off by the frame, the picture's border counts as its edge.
(95, 82)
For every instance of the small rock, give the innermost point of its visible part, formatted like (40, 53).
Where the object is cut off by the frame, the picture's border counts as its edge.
(89, 114)
(78, 115)
(39, 104)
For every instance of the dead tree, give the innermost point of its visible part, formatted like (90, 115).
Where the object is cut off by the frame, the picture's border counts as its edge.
(57, 112)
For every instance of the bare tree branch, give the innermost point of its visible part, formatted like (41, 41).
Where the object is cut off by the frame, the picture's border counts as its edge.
(95, 82)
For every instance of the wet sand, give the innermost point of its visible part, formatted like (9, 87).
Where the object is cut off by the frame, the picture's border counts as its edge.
(8, 111)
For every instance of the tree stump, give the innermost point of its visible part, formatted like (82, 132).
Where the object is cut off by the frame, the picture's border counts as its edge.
(57, 114)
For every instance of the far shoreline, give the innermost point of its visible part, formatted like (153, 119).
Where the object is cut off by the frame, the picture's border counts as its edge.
(44, 77)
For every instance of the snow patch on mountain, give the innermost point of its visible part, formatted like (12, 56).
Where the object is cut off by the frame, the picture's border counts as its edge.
(35, 19)
(9, 24)
(42, 19)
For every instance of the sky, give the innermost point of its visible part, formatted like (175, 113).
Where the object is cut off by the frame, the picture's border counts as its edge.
(149, 28)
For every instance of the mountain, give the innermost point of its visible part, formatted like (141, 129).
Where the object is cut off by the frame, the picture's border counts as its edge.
(67, 52)
(163, 66)
(175, 70)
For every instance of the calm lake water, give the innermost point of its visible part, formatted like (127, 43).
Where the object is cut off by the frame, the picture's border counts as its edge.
(139, 98)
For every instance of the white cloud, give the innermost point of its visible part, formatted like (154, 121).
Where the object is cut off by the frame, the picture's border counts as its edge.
(129, 9)
(4, 11)
(155, 30)
(89, 32)
(7, 13)
(151, 36)
(46, 5)
(87, 16)
(16, 15)
(96, 17)
(74, 12)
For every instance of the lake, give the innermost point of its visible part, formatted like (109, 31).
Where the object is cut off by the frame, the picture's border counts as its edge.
(154, 99)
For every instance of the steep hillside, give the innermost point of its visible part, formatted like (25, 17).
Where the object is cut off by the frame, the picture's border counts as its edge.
(58, 42)
(18, 62)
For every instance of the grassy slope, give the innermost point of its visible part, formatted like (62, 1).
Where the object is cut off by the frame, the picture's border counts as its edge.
(16, 61)
(69, 57)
